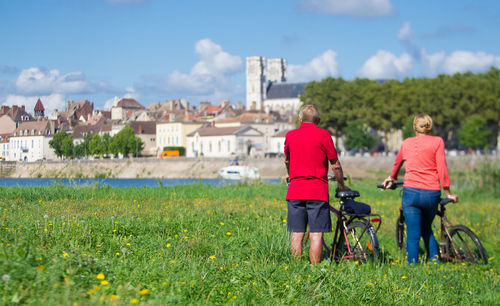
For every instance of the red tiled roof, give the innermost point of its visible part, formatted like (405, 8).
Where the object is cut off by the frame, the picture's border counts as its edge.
(39, 106)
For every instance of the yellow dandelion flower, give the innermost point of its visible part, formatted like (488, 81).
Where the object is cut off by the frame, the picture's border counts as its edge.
(404, 277)
(104, 283)
(117, 253)
(64, 254)
(144, 291)
(222, 223)
(134, 301)
(172, 261)
(491, 258)
(168, 245)
(212, 257)
(100, 276)
(114, 297)
(228, 233)
(284, 220)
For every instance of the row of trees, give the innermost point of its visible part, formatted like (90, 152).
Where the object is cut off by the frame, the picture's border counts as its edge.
(124, 142)
(455, 103)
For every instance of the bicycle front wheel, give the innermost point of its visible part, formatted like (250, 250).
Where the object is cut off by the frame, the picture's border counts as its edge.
(465, 245)
(358, 243)
(400, 233)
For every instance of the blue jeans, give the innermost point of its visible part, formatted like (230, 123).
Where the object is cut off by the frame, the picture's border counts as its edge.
(420, 207)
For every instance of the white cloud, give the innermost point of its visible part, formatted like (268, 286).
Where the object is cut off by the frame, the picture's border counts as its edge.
(50, 102)
(385, 65)
(458, 61)
(405, 33)
(320, 67)
(210, 77)
(358, 8)
(41, 81)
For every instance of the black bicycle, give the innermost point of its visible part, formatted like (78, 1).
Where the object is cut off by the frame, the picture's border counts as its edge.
(355, 236)
(457, 243)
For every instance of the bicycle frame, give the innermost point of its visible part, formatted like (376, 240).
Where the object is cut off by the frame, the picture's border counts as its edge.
(445, 233)
(343, 220)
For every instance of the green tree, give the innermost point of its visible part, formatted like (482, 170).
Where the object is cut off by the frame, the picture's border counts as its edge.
(408, 130)
(95, 144)
(126, 142)
(67, 146)
(358, 137)
(56, 142)
(83, 149)
(475, 132)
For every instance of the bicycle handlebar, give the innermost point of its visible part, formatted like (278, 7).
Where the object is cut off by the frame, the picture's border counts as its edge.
(395, 184)
(333, 178)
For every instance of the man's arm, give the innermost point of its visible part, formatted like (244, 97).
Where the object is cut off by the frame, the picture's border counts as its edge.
(338, 173)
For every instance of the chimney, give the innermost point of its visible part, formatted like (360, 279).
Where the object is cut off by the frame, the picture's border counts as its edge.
(238, 105)
(14, 109)
(140, 129)
(186, 110)
(5, 109)
(22, 107)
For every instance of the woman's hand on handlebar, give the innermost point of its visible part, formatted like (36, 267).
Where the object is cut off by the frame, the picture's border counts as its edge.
(387, 183)
(453, 197)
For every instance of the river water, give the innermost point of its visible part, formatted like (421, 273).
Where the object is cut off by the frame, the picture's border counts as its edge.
(114, 182)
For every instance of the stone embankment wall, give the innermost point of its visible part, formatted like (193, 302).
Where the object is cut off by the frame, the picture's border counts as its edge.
(180, 167)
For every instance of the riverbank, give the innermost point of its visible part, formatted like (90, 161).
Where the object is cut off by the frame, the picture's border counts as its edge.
(207, 168)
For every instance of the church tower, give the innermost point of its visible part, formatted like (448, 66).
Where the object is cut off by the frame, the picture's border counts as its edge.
(39, 109)
(276, 70)
(256, 81)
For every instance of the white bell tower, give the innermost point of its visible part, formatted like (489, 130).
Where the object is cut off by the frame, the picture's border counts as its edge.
(256, 81)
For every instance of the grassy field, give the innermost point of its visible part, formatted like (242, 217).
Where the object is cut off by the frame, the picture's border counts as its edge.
(217, 245)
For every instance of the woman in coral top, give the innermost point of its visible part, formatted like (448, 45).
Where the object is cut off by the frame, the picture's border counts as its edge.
(426, 173)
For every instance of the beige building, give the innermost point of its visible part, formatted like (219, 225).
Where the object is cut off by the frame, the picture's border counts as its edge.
(174, 134)
(30, 142)
(262, 122)
(224, 142)
(7, 125)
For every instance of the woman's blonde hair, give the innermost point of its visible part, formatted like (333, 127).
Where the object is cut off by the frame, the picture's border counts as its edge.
(422, 124)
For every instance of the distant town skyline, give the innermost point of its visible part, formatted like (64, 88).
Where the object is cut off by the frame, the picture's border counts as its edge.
(155, 50)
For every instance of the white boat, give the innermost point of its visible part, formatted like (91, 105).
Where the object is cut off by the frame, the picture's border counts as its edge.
(239, 172)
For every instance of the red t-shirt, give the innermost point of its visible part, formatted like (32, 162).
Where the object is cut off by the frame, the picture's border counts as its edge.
(425, 163)
(309, 149)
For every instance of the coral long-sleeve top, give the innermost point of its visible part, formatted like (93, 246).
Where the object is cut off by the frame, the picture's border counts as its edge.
(425, 163)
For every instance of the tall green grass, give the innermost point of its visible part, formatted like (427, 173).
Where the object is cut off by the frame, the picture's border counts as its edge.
(201, 244)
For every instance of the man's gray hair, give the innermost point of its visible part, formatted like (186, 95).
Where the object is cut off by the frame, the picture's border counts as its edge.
(309, 113)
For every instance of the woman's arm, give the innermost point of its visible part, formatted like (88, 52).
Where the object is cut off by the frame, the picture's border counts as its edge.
(395, 169)
(442, 168)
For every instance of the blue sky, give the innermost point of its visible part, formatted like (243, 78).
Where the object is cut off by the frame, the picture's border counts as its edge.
(155, 50)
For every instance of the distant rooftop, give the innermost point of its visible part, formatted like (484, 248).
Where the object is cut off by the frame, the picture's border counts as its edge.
(285, 90)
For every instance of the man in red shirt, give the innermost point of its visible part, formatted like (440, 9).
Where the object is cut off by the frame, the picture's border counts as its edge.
(307, 152)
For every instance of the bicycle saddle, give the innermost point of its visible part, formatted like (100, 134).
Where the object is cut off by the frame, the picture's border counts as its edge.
(347, 194)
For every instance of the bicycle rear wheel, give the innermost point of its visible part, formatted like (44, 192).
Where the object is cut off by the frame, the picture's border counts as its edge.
(400, 232)
(465, 245)
(361, 244)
